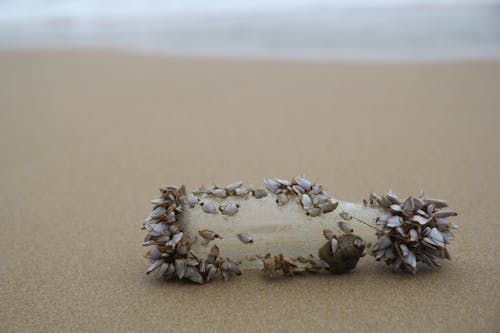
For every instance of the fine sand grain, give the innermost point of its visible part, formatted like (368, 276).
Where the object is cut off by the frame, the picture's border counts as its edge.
(86, 138)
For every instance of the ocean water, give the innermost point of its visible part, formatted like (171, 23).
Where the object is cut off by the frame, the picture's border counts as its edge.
(308, 29)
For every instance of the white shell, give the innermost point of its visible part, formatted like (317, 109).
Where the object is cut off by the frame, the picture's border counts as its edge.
(230, 209)
(154, 265)
(283, 182)
(219, 192)
(245, 238)
(346, 216)
(208, 207)
(315, 211)
(345, 227)
(334, 244)
(156, 213)
(420, 219)
(271, 185)
(304, 183)
(306, 201)
(177, 237)
(394, 221)
(192, 200)
(242, 191)
(232, 187)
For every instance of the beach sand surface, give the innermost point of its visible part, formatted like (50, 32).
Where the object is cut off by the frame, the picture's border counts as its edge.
(87, 138)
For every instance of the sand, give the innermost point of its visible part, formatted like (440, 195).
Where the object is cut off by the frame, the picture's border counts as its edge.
(87, 137)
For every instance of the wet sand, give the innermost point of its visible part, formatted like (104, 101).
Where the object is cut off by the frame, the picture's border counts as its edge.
(87, 137)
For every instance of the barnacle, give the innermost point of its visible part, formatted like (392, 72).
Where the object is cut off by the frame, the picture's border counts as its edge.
(413, 230)
(287, 218)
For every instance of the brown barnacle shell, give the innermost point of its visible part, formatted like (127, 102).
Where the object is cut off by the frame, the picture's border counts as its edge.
(269, 265)
(416, 230)
(342, 253)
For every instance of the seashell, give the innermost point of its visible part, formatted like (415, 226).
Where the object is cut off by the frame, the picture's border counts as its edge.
(208, 234)
(174, 228)
(346, 216)
(314, 212)
(396, 208)
(154, 253)
(359, 243)
(304, 183)
(259, 193)
(345, 227)
(219, 192)
(419, 219)
(271, 185)
(413, 235)
(328, 206)
(437, 237)
(214, 251)
(328, 234)
(445, 214)
(242, 191)
(193, 274)
(422, 213)
(163, 269)
(192, 262)
(158, 201)
(408, 205)
(393, 198)
(156, 213)
(156, 264)
(417, 204)
(159, 228)
(438, 203)
(208, 189)
(381, 201)
(334, 244)
(383, 243)
(298, 189)
(232, 187)
(282, 199)
(401, 231)
(182, 249)
(306, 201)
(225, 266)
(316, 189)
(170, 269)
(212, 271)
(202, 267)
(180, 267)
(177, 237)
(229, 209)
(404, 249)
(394, 221)
(192, 200)
(225, 274)
(283, 182)
(245, 238)
(410, 260)
(208, 207)
(171, 218)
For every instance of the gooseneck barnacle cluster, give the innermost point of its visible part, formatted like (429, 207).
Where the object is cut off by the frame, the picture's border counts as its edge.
(285, 227)
(413, 230)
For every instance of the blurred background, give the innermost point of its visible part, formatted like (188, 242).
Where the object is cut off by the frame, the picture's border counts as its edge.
(315, 29)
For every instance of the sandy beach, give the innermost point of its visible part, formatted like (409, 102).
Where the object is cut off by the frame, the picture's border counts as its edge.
(87, 138)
